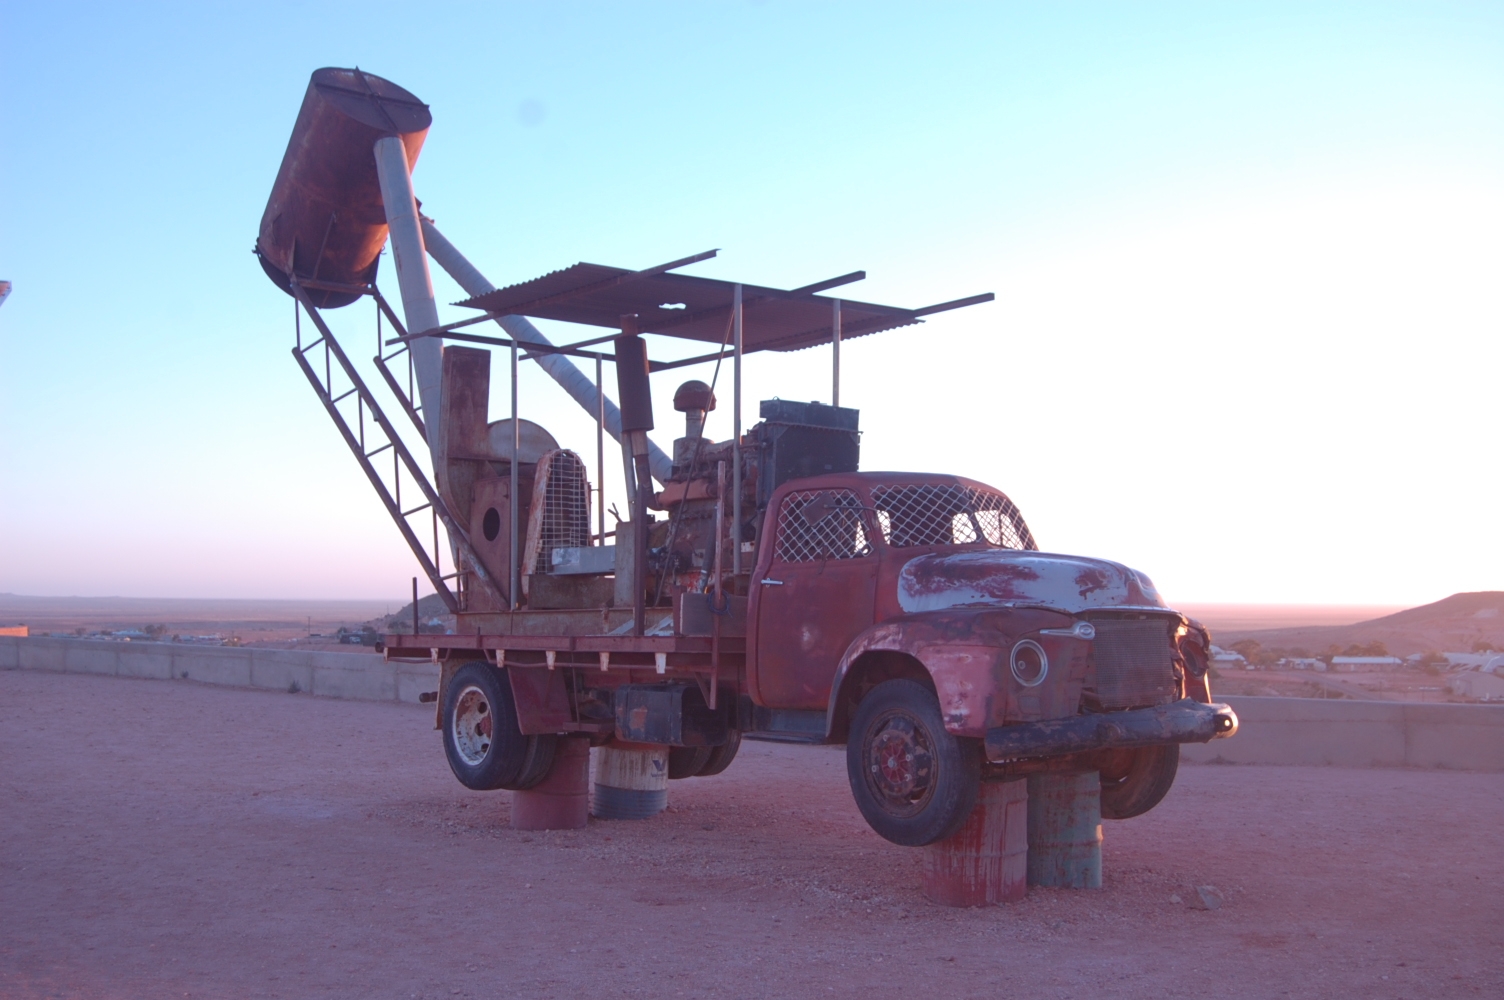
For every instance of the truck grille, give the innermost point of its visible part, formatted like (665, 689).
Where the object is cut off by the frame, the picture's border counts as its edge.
(1134, 662)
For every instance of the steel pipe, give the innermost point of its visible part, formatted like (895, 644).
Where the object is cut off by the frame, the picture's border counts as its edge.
(421, 312)
(559, 367)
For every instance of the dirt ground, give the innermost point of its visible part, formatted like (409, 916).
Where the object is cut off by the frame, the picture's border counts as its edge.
(1406, 685)
(163, 839)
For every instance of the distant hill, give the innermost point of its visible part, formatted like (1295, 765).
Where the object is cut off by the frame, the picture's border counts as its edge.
(429, 608)
(1452, 624)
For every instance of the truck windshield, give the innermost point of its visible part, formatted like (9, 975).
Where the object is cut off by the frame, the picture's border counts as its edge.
(948, 514)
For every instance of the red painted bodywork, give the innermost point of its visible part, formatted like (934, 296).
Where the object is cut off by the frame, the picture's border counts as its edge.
(958, 616)
(951, 613)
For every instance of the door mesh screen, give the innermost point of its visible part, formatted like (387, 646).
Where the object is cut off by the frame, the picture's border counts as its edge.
(821, 524)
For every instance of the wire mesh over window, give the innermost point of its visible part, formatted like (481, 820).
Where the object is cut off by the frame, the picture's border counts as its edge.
(822, 524)
(949, 515)
(560, 514)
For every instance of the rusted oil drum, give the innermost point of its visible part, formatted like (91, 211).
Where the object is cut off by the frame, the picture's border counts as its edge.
(560, 801)
(986, 861)
(1065, 830)
(630, 783)
(325, 219)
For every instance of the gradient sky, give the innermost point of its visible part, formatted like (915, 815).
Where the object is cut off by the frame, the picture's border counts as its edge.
(1247, 259)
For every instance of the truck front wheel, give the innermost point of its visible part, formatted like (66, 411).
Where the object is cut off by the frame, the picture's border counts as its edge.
(1134, 781)
(914, 782)
(485, 747)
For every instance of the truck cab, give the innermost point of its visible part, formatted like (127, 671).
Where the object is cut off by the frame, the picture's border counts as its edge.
(932, 586)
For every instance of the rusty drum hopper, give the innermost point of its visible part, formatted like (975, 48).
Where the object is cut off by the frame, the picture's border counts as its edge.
(325, 221)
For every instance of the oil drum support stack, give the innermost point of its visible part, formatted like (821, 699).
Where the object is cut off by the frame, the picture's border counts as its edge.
(1043, 830)
(631, 782)
(560, 801)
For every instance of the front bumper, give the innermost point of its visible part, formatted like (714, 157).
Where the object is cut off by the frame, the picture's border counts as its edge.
(1185, 721)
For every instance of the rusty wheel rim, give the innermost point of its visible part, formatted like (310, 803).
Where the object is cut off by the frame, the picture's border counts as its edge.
(471, 728)
(900, 763)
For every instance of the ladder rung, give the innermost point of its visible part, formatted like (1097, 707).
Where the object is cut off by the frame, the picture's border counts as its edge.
(350, 392)
(313, 345)
(410, 513)
(378, 451)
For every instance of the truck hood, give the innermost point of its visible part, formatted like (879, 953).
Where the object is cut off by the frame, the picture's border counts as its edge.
(1009, 576)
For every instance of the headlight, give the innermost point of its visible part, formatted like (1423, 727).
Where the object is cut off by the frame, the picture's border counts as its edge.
(1029, 663)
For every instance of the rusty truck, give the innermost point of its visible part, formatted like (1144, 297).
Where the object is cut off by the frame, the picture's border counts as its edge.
(760, 587)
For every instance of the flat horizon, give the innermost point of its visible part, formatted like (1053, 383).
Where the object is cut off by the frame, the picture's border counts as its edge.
(115, 609)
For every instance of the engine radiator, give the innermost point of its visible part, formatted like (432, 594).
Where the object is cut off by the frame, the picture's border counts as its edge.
(1134, 662)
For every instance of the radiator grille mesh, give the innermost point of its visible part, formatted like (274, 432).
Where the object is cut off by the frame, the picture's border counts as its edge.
(1134, 663)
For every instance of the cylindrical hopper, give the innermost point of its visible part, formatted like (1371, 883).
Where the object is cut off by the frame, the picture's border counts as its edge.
(325, 219)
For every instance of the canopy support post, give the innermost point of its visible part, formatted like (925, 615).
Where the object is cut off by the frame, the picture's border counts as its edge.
(515, 579)
(600, 453)
(736, 434)
(835, 352)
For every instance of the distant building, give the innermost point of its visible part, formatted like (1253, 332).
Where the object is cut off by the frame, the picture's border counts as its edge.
(1302, 663)
(1477, 685)
(1351, 663)
(1227, 659)
(21, 630)
(1486, 662)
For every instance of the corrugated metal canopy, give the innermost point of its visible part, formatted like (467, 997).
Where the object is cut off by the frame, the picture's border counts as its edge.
(678, 305)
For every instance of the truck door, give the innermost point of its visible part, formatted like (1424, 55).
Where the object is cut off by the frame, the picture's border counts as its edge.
(815, 597)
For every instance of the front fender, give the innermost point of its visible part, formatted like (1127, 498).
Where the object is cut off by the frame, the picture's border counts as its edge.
(964, 653)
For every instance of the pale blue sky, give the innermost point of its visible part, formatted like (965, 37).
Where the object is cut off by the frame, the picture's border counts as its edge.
(1247, 260)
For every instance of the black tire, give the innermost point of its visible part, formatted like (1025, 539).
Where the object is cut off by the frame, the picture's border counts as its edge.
(722, 756)
(913, 781)
(685, 762)
(1135, 781)
(539, 762)
(486, 749)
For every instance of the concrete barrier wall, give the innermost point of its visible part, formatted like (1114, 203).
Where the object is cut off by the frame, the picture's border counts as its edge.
(1359, 734)
(1271, 731)
(362, 676)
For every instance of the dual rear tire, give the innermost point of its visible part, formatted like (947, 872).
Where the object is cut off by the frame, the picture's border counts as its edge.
(482, 740)
(703, 762)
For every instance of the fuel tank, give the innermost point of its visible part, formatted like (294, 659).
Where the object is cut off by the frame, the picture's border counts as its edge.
(325, 218)
(1009, 576)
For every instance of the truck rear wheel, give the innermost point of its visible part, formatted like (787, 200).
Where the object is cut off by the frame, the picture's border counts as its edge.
(721, 757)
(914, 782)
(1135, 781)
(685, 762)
(485, 747)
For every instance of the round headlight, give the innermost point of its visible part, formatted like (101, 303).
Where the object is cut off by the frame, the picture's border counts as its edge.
(1029, 663)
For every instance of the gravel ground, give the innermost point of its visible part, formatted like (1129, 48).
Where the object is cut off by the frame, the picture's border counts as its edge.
(164, 839)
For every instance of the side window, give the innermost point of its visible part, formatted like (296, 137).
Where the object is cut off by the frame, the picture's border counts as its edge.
(821, 524)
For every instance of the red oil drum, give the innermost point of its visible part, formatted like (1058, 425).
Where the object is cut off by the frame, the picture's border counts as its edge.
(325, 219)
(560, 801)
(986, 861)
